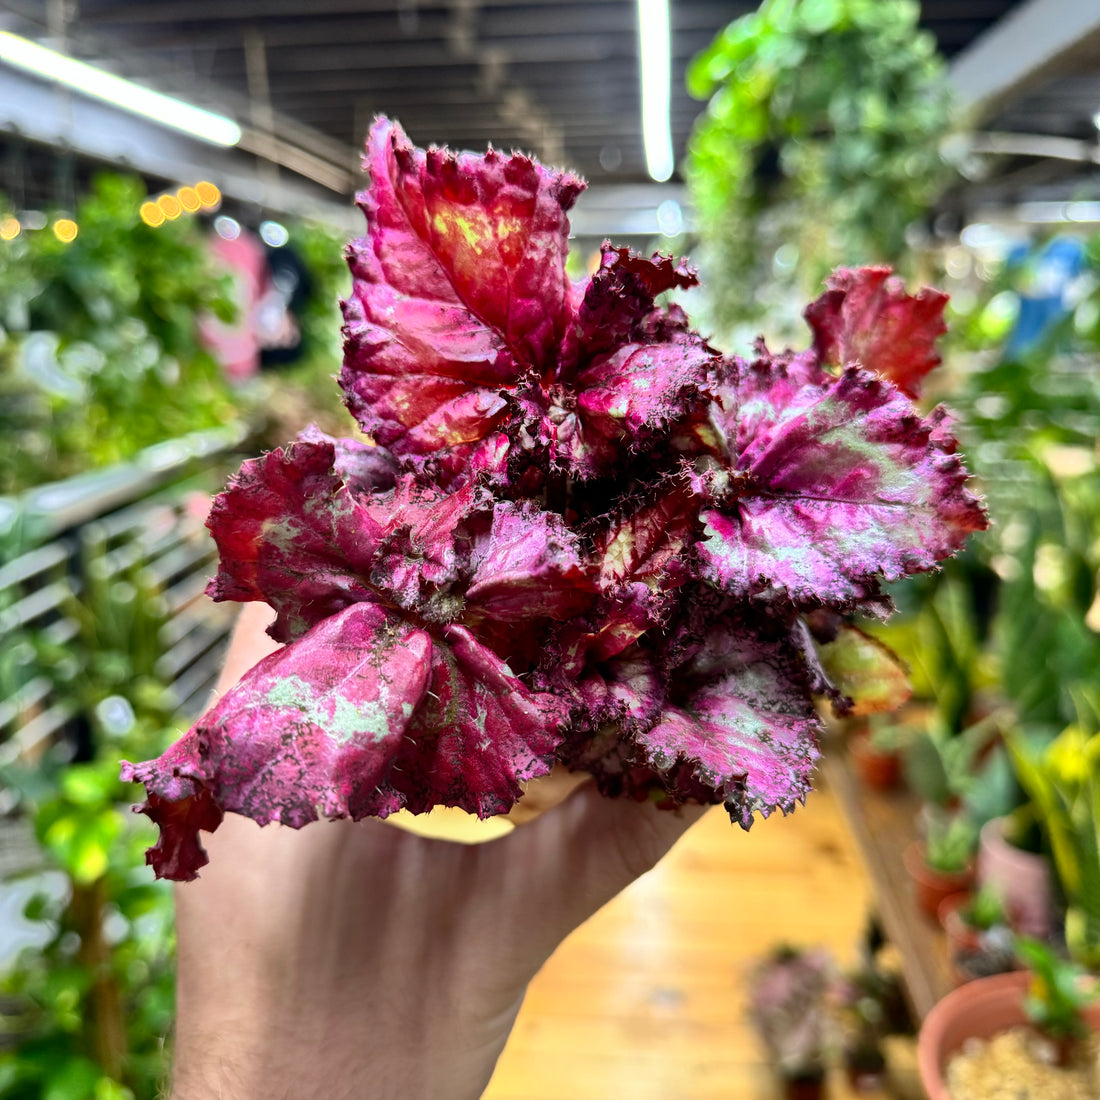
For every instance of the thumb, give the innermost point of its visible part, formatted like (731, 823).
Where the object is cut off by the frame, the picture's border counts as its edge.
(587, 850)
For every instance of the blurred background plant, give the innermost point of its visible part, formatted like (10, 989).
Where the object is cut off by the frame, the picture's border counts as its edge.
(820, 146)
(99, 352)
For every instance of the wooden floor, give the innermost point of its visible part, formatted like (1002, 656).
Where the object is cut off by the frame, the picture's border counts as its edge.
(647, 1000)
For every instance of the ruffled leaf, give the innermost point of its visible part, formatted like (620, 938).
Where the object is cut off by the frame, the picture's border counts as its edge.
(528, 566)
(459, 289)
(362, 716)
(850, 489)
(290, 533)
(866, 317)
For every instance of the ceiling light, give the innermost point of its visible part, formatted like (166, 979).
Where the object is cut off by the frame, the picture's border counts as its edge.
(91, 81)
(656, 86)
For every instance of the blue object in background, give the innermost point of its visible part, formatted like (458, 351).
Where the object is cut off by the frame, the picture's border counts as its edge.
(1048, 275)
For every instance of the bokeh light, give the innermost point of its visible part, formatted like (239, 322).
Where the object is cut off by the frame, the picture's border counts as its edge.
(9, 229)
(274, 234)
(227, 228)
(152, 214)
(170, 206)
(208, 193)
(189, 199)
(65, 230)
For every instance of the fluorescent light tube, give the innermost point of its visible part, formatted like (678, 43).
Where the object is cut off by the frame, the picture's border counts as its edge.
(90, 81)
(654, 63)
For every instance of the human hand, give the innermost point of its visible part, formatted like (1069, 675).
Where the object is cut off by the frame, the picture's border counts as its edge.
(357, 960)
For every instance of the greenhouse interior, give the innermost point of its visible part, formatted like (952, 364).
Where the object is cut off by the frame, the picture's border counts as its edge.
(469, 456)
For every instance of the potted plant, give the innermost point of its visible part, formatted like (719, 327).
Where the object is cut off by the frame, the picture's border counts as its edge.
(870, 1005)
(979, 935)
(788, 1003)
(1012, 862)
(943, 864)
(1037, 1029)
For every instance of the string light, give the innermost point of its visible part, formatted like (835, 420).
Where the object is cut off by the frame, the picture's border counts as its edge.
(170, 207)
(152, 214)
(10, 229)
(208, 193)
(189, 199)
(65, 230)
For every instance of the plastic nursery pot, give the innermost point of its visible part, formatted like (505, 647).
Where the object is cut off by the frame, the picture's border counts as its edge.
(1021, 878)
(977, 1010)
(932, 886)
(878, 769)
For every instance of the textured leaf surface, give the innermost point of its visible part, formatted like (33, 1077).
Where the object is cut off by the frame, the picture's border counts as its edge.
(866, 317)
(849, 488)
(290, 533)
(459, 289)
(364, 715)
(741, 725)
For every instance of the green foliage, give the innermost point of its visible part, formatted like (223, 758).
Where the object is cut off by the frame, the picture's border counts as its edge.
(819, 146)
(99, 348)
(94, 1004)
(1062, 778)
(985, 909)
(1059, 991)
(950, 841)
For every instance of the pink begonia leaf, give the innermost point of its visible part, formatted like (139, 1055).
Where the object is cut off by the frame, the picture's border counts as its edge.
(362, 716)
(291, 534)
(363, 467)
(866, 317)
(630, 369)
(853, 489)
(527, 566)
(459, 290)
(742, 724)
(618, 301)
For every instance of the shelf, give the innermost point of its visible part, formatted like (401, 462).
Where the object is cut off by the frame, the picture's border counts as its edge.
(884, 824)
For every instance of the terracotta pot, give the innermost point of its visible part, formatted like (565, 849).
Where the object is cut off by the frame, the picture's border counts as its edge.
(933, 886)
(879, 770)
(1022, 879)
(960, 936)
(978, 1010)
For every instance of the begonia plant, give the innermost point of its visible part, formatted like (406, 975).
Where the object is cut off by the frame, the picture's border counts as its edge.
(581, 535)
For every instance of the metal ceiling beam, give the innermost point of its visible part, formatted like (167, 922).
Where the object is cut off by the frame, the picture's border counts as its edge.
(183, 11)
(379, 27)
(42, 113)
(1034, 40)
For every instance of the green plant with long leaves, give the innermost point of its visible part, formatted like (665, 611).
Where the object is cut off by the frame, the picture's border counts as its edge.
(820, 145)
(1062, 778)
(1059, 992)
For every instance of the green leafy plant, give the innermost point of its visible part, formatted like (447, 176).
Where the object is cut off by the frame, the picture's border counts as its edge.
(1059, 991)
(949, 842)
(89, 1009)
(820, 145)
(985, 910)
(100, 353)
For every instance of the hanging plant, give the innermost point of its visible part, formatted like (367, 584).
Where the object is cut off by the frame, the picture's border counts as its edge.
(819, 146)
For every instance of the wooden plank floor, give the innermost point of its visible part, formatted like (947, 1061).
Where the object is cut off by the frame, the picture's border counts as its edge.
(647, 999)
